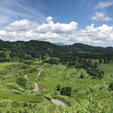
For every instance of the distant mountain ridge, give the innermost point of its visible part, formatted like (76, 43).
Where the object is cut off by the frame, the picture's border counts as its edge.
(34, 49)
(59, 44)
(75, 44)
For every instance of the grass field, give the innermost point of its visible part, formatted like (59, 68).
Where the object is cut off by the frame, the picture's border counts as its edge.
(88, 95)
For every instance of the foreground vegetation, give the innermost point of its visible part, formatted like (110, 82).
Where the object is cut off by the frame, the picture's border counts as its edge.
(88, 95)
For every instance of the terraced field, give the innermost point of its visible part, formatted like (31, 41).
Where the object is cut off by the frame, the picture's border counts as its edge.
(88, 95)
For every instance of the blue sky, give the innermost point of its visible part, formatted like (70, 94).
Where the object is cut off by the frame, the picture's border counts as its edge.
(80, 11)
(65, 11)
(81, 17)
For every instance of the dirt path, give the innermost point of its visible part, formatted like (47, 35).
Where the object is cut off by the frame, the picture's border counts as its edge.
(36, 88)
(58, 102)
(25, 76)
(39, 72)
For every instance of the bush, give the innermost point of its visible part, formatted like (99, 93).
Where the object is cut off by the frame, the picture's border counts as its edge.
(110, 87)
(65, 91)
(81, 76)
(58, 87)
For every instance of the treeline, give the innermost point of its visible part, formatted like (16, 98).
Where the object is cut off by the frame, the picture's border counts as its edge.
(31, 50)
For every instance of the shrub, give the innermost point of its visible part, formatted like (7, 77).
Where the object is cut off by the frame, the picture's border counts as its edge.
(81, 76)
(58, 87)
(65, 91)
(110, 87)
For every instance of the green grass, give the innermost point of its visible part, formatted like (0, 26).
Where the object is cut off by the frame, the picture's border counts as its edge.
(88, 95)
(20, 97)
(3, 66)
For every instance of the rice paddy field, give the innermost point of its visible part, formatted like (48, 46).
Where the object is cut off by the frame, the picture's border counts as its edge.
(88, 95)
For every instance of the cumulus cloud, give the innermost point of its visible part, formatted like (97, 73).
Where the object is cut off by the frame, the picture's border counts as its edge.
(58, 32)
(101, 16)
(103, 5)
(49, 19)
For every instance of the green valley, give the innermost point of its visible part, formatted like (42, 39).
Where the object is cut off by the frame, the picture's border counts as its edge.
(34, 73)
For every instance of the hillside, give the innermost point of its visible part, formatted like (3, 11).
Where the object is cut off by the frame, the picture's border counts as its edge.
(41, 77)
(34, 49)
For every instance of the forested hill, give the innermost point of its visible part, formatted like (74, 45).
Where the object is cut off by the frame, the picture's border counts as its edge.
(85, 48)
(40, 49)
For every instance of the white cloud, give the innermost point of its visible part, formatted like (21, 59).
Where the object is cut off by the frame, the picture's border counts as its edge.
(56, 27)
(49, 20)
(101, 16)
(103, 5)
(58, 32)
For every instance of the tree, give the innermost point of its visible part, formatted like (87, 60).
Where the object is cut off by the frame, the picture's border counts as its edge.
(2, 56)
(66, 91)
(58, 87)
(81, 76)
(100, 60)
(105, 61)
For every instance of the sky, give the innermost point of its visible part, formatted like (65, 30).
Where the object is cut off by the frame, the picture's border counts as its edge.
(58, 21)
